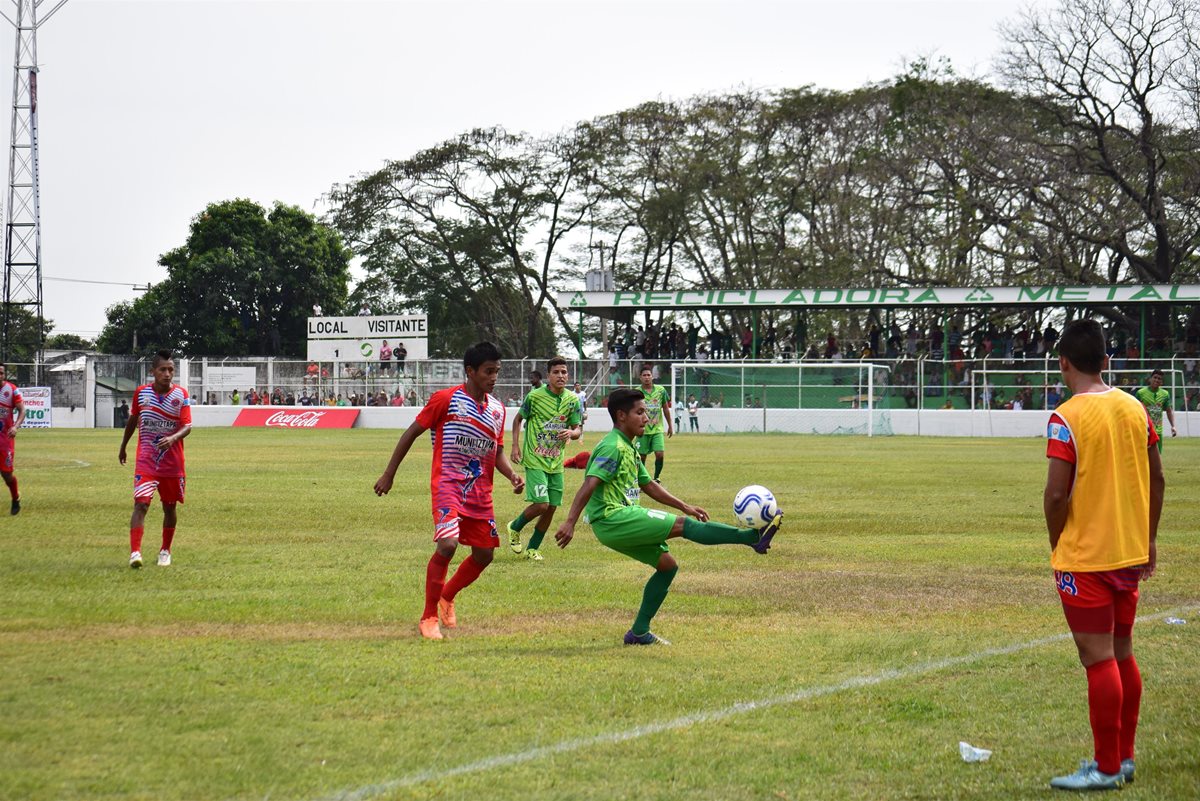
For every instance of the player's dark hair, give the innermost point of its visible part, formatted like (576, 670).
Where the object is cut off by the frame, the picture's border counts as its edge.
(479, 353)
(646, 369)
(161, 356)
(555, 362)
(1156, 372)
(622, 400)
(536, 374)
(1082, 343)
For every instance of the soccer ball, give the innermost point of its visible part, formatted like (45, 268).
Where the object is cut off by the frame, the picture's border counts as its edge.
(754, 506)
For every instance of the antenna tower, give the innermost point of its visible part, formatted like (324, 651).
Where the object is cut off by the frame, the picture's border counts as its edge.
(22, 230)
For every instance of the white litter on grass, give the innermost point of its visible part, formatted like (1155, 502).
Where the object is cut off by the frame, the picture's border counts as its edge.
(972, 754)
(1175, 621)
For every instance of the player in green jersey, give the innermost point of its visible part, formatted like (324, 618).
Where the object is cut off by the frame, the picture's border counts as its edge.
(658, 411)
(1157, 400)
(552, 416)
(611, 492)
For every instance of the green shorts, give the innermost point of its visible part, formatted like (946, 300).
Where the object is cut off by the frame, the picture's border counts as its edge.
(543, 487)
(637, 532)
(650, 443)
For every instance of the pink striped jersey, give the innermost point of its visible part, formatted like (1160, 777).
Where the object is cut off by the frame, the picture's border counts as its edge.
(10, 396)
(160, 416)
(466, 437)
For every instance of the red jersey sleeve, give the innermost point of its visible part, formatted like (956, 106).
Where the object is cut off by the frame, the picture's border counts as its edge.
(137, 405)
(16, 395)
(1060, 444)
(435, 410)
(185, 409)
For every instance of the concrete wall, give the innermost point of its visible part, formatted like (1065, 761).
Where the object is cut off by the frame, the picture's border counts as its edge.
(930, 422)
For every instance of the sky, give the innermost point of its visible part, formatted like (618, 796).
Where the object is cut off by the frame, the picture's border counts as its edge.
(149, 110)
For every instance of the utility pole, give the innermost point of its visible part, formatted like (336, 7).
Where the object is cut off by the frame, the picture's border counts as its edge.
(22, 230)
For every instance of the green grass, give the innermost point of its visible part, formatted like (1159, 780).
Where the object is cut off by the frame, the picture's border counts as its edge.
(278, 658)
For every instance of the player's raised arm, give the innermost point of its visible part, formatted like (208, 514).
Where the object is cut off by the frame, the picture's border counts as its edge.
(659, 493)
(567, 529)
(384, 484)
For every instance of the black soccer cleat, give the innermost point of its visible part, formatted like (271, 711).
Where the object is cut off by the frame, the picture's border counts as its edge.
(768, 532)
(16, 506)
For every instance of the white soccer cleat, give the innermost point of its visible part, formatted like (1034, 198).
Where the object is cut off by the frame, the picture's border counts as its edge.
(135, 559)
(164, 558)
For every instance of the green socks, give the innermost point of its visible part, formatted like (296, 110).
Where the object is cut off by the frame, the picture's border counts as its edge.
(535, 541)
(652, 598)
(717, 533)
(658, 460)
(520, 522)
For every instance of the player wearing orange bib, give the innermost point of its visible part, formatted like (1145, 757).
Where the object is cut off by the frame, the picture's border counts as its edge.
(162, 416)
(1103, 498)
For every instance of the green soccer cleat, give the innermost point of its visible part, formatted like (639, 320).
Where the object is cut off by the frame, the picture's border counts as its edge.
(533, 556)
(514, 539)
(1088, 777)
(649, 638)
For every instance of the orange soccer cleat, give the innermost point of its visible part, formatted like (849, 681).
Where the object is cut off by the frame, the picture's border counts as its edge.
(430, 629)
(446, 613)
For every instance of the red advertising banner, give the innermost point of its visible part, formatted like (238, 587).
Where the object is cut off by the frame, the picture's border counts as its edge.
(274, 417)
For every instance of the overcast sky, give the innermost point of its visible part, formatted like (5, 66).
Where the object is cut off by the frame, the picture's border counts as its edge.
(151, 109)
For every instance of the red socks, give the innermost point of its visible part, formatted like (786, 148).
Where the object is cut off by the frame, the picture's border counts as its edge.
(1131, 702)
(135, 539)
(467, 572)
(1104, 710)
(168, 537)
(12, 488)
(435, 577)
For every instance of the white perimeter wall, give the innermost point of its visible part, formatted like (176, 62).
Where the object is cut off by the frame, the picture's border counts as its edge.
(929, 422)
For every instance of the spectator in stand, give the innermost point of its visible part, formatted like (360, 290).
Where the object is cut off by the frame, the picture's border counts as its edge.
(364, 310)
(397, 399)
(873, 336)
(277, 397)
(1050, 337)
(831, 345)
(747, 343)
(910, 344)
(693, 410)
(290, 398)
(236, 398)
(252, 397)
(385, 358)
(400, 355)
(411, 398)
(264, 398)
(312, 373)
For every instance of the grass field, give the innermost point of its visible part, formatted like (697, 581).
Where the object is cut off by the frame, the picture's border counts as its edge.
(278, 657)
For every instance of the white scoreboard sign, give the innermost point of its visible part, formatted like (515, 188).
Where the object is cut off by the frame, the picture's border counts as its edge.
(362, 339)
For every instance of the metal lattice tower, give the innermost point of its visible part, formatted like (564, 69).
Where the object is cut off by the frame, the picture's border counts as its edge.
(22, 230)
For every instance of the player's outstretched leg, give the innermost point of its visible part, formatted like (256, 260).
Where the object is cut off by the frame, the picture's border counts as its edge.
(469, 570)
(530, 513)
(653, 596)
(435, 580)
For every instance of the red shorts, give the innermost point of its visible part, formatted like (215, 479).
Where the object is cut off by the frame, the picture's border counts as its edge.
(169, 489)
(1101, 602)
(447, 524)
(6, 455)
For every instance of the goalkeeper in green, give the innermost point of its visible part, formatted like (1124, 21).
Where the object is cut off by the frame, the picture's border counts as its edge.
(551, 416)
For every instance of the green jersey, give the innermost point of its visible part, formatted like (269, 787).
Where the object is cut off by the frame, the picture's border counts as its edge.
(1154, 402)
(656, 401)
(545, 415)
(615, 462)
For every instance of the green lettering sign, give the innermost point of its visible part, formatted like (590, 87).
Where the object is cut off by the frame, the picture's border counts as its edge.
(827, 296)
(795, 296)
(926, 296)
(1176, 296)
(628, 299)
(1068, 294)
(1146, 292)
(1034, 293)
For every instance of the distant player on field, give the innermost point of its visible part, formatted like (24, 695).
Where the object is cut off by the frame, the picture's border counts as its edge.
(1103, 497)
(11, 404)
(467, 426)
(658, 407)
(611, 491)
(552, 416)
(1157, 400)
(581, 393)
(162, 416)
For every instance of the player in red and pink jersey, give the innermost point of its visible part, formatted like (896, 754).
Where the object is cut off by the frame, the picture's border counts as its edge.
(162, 415)
(10, 404)
(467, 427)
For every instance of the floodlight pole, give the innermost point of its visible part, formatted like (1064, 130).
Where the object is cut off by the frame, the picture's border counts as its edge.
(22, 230)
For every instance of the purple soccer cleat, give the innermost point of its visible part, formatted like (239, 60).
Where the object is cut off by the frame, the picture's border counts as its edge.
(767, 533)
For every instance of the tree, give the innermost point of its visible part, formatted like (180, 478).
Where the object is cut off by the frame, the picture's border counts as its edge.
(68, 342)
(23, 336)
(1113, 77)
(244, 283)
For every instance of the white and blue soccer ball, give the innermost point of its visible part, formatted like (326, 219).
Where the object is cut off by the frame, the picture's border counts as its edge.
(754, 506)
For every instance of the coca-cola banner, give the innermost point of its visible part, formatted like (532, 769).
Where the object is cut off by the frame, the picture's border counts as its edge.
(274, 417)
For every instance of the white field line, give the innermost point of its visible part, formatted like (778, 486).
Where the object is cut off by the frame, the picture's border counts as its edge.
(709, 716)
